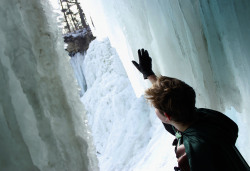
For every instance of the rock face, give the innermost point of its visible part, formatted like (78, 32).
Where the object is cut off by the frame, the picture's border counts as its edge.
(78, 41)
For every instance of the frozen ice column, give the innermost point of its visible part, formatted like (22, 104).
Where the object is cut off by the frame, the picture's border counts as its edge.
(42, 121)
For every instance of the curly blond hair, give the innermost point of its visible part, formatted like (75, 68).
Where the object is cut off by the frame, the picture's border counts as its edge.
(174, 97)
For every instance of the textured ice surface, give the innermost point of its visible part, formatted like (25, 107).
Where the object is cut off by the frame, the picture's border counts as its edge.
(204, 43)
(42, 121)
(78, 67)
(125, 130)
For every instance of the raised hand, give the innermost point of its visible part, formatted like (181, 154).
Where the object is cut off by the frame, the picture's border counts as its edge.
(145, 63)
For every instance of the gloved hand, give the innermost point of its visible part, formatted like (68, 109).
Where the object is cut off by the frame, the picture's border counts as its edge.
(145, 63)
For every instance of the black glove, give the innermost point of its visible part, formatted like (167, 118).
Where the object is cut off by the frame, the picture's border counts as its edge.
(145, 63)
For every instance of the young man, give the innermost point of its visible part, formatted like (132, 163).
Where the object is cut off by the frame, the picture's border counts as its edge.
(205, 138)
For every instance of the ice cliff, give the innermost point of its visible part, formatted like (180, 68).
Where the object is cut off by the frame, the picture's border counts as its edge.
(126, 132)
(43, 125)
(42, 121)
(204, 43)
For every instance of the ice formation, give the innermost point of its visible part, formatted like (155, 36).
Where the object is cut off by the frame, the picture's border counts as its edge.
(78, 67)
(42, 121)
(126, 133)
(204, 43)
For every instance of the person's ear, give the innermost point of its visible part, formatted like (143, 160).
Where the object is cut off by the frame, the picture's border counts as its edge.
(167, 116)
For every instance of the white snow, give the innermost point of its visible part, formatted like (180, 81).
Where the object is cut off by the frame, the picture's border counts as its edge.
(42, 121)
(126, 132)
(204, 43)
(77, 33)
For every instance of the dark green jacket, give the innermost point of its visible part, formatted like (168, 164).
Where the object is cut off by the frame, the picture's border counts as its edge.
(210, 143)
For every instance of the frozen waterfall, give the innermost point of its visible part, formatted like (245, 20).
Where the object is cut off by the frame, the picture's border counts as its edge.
(204, 43)
(43, 124)
(42, 121)
(126, 133)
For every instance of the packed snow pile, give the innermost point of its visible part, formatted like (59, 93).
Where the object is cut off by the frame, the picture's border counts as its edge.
(127, 134)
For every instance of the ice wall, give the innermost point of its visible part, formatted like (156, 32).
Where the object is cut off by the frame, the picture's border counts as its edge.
(204, 43)
(42, 120)
(78, 67)
(125, 130)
